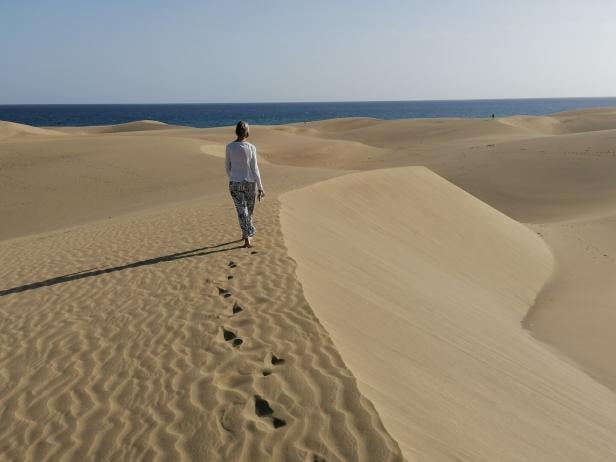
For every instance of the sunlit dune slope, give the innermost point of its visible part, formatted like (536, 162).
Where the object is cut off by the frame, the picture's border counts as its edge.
(137, 126)
(423, 289)
(15, 130)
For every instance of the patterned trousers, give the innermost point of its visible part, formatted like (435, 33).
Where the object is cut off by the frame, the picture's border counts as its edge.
(243, 194)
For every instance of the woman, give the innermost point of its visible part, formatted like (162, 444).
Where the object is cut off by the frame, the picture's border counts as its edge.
(244, 179)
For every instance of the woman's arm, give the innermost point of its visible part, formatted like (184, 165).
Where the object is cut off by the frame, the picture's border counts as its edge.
(254, 165)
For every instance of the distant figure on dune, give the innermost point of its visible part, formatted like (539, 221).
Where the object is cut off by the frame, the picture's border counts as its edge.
(244, 179)
(492, 116)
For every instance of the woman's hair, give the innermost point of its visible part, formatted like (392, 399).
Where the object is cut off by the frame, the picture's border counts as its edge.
(242, 130)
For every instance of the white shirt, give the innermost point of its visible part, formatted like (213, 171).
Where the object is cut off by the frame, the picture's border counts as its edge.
(241, 163)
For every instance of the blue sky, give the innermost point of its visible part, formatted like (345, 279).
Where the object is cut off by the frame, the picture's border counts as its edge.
(269, 50)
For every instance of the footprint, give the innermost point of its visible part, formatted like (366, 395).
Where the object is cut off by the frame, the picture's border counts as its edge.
(232, 264)
(228, 335)
(276, 360)
(237, 308)
(254, 252)
(266, 372)
(278, 422)
(263, 409)
(231, 337)
(229, 277)
(224, 292)
(318, 458)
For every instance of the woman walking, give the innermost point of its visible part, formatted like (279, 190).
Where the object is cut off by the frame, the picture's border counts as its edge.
(244, 179)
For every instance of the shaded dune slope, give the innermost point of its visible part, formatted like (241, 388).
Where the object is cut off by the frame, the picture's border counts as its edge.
(423, 289)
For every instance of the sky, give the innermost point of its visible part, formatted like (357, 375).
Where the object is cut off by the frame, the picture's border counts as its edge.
(189, 51)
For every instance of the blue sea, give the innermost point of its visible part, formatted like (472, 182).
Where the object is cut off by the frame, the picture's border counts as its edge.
(217, 115)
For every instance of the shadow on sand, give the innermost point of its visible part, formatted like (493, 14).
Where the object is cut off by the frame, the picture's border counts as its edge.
(97, 272)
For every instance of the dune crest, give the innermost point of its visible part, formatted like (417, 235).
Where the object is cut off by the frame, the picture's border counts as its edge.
(137, 126)
(12, 129)
(423, 289)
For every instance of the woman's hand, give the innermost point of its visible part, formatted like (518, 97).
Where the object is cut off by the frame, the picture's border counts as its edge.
(260, 195)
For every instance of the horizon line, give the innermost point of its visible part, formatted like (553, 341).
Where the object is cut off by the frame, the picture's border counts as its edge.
(313, 102)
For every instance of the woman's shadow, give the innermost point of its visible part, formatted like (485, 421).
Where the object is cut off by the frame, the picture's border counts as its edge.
(98, 271)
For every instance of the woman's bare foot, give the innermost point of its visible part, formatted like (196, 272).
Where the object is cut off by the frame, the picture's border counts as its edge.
(247, 242)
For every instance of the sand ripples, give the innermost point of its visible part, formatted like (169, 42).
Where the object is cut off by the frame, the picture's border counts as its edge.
(155, 362)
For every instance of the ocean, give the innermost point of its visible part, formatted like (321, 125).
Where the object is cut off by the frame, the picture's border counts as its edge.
(217, 115)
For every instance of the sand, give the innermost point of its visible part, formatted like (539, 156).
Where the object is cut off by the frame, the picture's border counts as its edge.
(436, 289)
(428, 290)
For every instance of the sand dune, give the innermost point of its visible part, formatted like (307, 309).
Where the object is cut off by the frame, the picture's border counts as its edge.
(165, 341)
(96, 177)
(424, 300)
(133, 328)
(149, 335)
(12, 129)
(537, 125)
(544, 179)
(588, 120)
(138, 126)
(575, 311)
